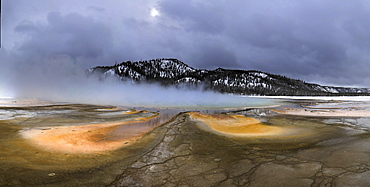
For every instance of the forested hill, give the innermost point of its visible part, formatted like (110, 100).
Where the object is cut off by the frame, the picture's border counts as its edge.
(245, 82)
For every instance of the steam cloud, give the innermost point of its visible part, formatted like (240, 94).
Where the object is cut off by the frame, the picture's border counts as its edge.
(51, 59)
(47, 50)
(59, 78)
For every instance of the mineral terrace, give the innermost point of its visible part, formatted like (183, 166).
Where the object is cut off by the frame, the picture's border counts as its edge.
(62, 144)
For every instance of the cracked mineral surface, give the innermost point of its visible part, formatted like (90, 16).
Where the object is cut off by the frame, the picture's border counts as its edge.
(178, 148)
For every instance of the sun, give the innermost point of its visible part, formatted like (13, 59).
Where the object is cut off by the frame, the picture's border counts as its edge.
(154, 12)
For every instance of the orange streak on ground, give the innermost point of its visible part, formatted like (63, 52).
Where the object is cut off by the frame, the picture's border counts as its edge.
(146, 118)
(82, 139)
(132, 112)
(236, 125)
(109, 109)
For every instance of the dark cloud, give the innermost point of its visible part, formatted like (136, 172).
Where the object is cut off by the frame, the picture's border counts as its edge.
(201, 16)
(214, 55)
(321, 41)
(299, 39)
(98, 9)
(73, 34)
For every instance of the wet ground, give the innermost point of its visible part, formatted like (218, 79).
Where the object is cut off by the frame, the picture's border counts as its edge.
(186, 150)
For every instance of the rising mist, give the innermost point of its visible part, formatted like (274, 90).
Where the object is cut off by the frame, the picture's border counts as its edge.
(62, 79)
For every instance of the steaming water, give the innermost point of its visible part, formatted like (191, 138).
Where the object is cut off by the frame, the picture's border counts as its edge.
(141, 95)
(218, 102)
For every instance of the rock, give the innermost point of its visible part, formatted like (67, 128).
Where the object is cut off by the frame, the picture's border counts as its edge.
(51, 174)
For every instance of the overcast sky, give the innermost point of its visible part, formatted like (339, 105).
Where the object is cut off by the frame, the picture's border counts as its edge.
(321, 41)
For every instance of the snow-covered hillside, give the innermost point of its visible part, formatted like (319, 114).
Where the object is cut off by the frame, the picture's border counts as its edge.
(251, 82)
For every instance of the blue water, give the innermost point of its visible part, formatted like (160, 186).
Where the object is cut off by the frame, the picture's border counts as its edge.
(217, 101)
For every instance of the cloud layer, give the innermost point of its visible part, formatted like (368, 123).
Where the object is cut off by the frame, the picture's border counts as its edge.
(318, 41)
